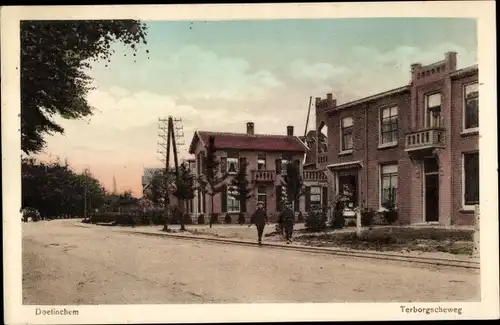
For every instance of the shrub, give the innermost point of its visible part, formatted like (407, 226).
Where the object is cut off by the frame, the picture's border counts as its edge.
(367, 217)
(187, 219)
(300, 217)
(241, 218)
(227, 219)
(391, 214)
(315, 221)
(201, 219)
(338, 221)
(214, 218)
(351, 223)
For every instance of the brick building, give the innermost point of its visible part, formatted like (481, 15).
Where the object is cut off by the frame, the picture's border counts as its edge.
(266, 156)
(416, 146)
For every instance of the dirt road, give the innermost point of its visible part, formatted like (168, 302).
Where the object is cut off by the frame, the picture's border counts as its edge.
(65, 264)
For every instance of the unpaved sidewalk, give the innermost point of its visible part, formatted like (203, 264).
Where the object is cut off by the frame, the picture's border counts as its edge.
(249, 234)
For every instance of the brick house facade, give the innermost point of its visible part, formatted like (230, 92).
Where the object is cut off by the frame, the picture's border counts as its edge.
(266, 156)
(416, 146)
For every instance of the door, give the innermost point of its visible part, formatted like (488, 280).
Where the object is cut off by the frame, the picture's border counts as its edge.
(348, 185)
(431, 197)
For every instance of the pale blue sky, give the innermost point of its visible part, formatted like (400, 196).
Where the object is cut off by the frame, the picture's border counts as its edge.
(219, 75)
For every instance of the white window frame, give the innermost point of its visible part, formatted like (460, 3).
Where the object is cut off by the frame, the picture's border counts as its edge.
(342, 150)
(236, 161)
(380, 187)
(284, 163)
(464, 107)
(464, 206)
(381, 117)
(228, 196)
(427, 112)
(319, 194)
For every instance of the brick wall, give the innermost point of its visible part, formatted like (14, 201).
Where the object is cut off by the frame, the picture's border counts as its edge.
(461, 142)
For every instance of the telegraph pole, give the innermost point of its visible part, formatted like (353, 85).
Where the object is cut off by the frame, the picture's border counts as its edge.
(164, 151)
(169, 138)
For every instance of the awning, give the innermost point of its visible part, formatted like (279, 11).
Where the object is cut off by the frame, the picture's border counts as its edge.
(346, 165)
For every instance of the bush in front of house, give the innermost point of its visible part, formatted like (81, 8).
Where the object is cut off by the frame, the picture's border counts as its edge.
(201, 219)
(315, 221)
(227, 219)
(187, 219)
(338, 220)
(214, 218)
(390, 215)
(241, 218)
(367, 217)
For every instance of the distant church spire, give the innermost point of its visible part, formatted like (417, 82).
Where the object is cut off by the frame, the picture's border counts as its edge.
(114, 184)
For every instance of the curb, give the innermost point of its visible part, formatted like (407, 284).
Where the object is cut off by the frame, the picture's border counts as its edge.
(320, 250)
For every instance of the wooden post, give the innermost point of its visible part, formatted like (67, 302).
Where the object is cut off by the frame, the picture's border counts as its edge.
(476, 230)
(358, 222)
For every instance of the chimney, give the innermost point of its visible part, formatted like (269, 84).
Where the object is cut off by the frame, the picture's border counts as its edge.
(250, 128)
(289, 130)
(318, 100)
(451, 60)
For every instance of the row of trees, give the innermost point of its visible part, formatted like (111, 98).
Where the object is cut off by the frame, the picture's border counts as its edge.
(56, 191)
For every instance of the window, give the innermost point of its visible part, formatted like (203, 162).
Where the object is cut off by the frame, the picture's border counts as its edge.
(315, 197)
(433, 110)
(262, 196)
(471, 178)
(233, 205)
(284, 164)
(389, 185)
(471, 114)
(389, 125)
(261, 161)
(232, 165)
(347, 128)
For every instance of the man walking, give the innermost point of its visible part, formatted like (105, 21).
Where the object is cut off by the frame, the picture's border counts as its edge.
(259, 219)
(287, 220)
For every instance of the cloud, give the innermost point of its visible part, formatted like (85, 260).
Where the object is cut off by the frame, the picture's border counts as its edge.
(192, 72)
(303, 71)
(363, 71)
(133, 110)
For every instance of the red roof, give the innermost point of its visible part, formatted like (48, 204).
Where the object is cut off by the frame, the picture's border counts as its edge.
(243, 141)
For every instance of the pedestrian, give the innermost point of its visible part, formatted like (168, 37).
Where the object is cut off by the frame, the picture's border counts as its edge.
(287, 220)
(259, 219)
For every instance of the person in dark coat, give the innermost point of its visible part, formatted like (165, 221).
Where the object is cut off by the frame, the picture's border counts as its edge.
(259, 219)
(287, 219)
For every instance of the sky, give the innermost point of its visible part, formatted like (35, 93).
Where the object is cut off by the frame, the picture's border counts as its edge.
(218, 75)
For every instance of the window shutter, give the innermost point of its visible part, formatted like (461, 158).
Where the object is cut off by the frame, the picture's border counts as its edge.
(278, 166)
(223, 165)
(324, 199)
(308, 198)
(223, 199)
(278, 198)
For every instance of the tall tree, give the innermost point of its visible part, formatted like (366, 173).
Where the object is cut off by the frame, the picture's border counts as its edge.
(55, 190)
(212, 179)
(242, 189)
(184, 189)
(292, 182)
(55, 58)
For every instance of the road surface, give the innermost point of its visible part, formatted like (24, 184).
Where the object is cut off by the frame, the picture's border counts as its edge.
(64, 264)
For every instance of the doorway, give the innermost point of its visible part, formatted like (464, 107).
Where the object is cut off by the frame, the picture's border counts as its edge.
(348, 184)
(431, 190)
